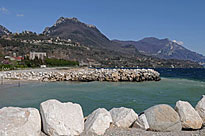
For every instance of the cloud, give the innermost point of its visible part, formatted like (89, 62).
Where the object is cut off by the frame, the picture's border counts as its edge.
(178, 42)
(20, 15)
(4, 10)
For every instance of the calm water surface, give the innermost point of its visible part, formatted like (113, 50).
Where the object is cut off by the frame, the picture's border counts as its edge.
(92, 95)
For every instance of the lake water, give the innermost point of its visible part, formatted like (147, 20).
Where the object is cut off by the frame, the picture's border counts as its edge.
(92, 95)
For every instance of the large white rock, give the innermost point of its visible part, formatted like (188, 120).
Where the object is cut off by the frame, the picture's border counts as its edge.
(62, 118)
(16, 121)
(123, 117)
(141, 122)
(200, 108)
(98, 121)
(190, 119)
(163, 117)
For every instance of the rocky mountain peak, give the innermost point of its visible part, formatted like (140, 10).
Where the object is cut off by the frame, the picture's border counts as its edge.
(72, 28)
(62, 20)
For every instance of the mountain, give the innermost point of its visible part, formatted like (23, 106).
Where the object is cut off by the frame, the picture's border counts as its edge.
(163, 48)
(90, 36)
(71, 39)
(72, 28)
(4, 31)
(23, 43)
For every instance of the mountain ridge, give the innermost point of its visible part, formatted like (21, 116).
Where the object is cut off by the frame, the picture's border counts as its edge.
(72, 28)
(163, 48)
(97, 46)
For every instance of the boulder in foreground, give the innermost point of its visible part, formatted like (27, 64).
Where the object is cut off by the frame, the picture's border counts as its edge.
(163, 118)
(98, 121)
(16, 121)
(200, 108)
(62, 118)
(141, 122)
(190, 119)
(123, 117)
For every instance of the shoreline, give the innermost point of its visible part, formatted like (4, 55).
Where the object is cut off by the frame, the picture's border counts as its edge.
(8, 83)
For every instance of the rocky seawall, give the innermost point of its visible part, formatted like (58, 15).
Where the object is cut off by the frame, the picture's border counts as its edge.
(56, 119)
(85, 75)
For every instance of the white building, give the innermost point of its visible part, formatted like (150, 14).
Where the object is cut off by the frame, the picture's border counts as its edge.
(39, 55)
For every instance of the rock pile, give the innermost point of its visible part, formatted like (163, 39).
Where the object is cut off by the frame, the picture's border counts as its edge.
(67, 119)
(86, 75)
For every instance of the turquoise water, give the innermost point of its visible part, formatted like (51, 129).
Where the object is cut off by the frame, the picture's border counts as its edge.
(92, 95)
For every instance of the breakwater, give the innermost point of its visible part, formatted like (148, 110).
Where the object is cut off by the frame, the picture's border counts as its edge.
(85, 75)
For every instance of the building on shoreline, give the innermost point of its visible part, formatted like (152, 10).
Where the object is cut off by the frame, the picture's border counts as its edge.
(39, 55)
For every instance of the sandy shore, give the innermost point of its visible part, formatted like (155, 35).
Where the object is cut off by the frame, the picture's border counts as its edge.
(5, 83)
(44, 69)
(14, 83)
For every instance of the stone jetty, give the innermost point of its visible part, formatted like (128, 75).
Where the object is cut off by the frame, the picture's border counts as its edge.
(84, 75)
(56, 119)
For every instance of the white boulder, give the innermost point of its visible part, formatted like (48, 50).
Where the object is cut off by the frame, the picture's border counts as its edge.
(200, 108)
(62, 118)
(190, 119)
(16, 121)
(141, 122)
(98, 121)
(163, 117)
(123, 117)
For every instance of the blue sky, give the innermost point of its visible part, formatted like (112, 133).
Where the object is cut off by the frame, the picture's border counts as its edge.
(181, 20)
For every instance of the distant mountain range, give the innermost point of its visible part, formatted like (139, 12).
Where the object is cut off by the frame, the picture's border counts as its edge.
(163, 48)
(72, 28)
(149, 52)
(89, 35)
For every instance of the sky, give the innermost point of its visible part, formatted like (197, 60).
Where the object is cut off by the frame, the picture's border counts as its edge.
(180, 20)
